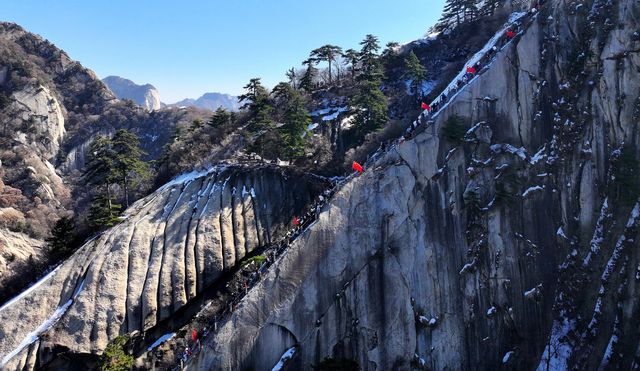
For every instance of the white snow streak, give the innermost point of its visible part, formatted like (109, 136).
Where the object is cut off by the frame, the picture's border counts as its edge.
(283, 360)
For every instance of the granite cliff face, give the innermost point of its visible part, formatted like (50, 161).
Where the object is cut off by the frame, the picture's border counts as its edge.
(172, 246)
(501, 236)
(503, 252)
(145, 95)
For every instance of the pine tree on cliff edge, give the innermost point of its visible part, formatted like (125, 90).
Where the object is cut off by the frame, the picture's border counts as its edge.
(128, 165)
(296, 119)
(256, 101)
(370, 101)
(416, 73)
(100, 172)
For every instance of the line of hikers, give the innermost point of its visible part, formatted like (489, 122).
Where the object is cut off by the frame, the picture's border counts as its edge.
(312, 212)
(477, 68)
(297, 225)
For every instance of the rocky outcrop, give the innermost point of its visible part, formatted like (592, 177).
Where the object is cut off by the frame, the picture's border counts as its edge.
(168, 249)
(37, 104)
(499, 248)
(51, 108)
(18, 254)
(146, 95)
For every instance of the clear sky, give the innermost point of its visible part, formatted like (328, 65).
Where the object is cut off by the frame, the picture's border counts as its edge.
(188, 47)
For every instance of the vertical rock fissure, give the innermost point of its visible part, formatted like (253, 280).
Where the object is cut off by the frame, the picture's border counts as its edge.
(223, 242)
(255, 207)
(162, 256)
(200, 272)
(188, 283)
(125, 322)
(98, 275)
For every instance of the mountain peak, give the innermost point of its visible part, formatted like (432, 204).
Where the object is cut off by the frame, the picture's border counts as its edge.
(211, 101)
(145, 95)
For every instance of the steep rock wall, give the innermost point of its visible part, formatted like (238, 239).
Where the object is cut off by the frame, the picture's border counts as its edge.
(480, 255)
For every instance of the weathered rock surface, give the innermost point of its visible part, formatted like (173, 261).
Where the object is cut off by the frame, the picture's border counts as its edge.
(18, 253)
(145, 95)
(172, 245)
(513, 247)
(51, 108)
(501, 255)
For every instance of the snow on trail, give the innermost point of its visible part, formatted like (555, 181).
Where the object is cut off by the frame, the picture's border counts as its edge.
(31, 288)
(283, 360)
(191, 176)
(161, 340)
(557, 352)
(34, 335)
(476, 57)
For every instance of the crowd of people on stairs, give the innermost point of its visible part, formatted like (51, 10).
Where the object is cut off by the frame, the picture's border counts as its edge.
(471, 71)
(298, 224)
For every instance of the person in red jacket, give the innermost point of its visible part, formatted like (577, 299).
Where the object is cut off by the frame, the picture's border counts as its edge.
(509, 34)
(357, 167)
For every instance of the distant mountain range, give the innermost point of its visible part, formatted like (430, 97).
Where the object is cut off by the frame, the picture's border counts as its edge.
(145, 95)
(148, 96)
(211, 101)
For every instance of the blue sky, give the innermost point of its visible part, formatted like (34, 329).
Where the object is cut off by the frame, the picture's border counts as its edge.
(188, 47)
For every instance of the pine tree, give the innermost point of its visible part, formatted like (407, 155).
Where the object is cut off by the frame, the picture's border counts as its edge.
(390, 58)
(371, 103)
(451, 15)
(457, 12)
(115, 356)
(291, 75)
(100, 172)
(489, 7)
(370, 60)
(415, 72)
(128, 164)
(220, 118)
(63, 236)
(256, 100)
(254, 93)
(296, 120)
(99, 169)
(281, 94)
(372, 107)
(196, 125)
(351, 57)
(103, 212)
(390, 52)
(327, 53)
(470, 10)
(306, 82)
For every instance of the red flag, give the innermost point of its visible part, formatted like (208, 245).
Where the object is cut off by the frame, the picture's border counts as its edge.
(295, 221)
(357, 167)
(425, 106)
(471, 70)
(194, 335)
(510, 34)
